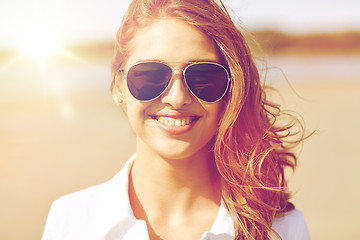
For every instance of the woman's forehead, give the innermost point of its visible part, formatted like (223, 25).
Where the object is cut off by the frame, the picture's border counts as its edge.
(172, 40)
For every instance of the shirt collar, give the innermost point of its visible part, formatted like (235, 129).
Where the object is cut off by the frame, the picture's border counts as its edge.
(223, 223)
(115, 216)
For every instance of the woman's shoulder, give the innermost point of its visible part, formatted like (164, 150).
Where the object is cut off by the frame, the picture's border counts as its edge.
(71, 212)
(291, 225)
(76, 206)
(80, 214)
(93, 195)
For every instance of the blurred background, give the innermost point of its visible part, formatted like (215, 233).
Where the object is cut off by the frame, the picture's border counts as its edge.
(60, 131)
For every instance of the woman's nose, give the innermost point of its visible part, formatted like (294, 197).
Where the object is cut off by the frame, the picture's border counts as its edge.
(177, 95)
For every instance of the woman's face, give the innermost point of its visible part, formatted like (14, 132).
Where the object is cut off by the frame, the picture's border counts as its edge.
(156, 123)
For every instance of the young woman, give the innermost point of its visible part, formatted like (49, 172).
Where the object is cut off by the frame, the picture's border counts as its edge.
(210, 155)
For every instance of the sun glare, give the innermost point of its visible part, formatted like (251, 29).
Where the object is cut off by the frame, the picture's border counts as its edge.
(40, 42)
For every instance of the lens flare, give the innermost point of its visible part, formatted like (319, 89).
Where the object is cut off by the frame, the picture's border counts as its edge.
(40, 42)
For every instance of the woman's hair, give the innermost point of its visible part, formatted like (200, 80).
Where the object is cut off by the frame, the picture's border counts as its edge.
(251, 149)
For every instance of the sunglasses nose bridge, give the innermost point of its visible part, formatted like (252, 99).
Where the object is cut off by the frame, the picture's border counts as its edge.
(177, 71)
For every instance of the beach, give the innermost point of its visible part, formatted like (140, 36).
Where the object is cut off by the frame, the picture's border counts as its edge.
(60, 131)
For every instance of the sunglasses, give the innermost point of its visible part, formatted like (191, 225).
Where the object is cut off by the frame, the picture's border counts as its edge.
(208, 81)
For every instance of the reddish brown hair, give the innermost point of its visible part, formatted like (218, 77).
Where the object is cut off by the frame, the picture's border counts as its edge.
(250, 149)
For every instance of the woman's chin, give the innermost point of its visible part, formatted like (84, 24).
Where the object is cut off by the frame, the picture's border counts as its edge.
(177, 150)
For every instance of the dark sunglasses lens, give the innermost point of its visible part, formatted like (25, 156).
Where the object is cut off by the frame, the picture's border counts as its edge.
(207, 81)
(148, 80)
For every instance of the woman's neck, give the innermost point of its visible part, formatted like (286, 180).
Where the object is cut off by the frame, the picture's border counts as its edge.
(171, 189)
(188, 177)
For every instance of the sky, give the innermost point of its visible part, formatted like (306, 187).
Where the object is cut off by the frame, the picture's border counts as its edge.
(81, 21)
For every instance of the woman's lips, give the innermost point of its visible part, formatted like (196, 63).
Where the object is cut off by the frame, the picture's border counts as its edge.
(175, 124)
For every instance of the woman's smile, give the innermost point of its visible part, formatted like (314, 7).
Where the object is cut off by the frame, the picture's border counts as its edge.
(175, 123)
(178, 122)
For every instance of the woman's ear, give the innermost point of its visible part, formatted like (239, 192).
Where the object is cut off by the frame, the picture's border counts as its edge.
(118, 90)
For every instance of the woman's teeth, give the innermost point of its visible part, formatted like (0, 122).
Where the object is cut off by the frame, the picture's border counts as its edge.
(175, 121)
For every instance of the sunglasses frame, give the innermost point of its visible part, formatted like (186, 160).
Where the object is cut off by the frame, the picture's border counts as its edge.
(124, 76)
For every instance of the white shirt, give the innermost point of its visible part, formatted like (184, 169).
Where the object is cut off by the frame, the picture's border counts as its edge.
(103, 212)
